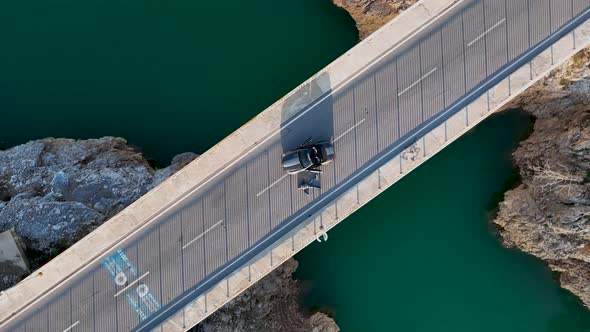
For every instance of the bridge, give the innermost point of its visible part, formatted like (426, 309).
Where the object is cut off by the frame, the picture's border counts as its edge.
(220, 224)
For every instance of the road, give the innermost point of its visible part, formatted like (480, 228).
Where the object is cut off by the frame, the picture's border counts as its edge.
(236, 214)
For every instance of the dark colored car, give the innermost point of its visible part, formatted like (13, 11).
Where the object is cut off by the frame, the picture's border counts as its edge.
(308, 157)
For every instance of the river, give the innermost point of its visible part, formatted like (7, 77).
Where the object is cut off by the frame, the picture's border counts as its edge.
(179, 75)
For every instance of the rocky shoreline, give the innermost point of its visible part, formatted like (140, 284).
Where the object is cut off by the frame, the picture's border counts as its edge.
(55, 191)
(548, 214)
(370, 15)
(270, 305)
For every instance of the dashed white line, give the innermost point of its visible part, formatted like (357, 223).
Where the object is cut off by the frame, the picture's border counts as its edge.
(271, 185)
(418, 81)
(486, 32)
(349, 130)
(202, 234)
(132, 283)
(71, 326)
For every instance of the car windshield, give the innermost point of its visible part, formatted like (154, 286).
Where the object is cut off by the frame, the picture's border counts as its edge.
(319, 154)
(305, 158)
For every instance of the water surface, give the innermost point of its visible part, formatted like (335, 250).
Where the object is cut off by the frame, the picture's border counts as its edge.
(170, 76)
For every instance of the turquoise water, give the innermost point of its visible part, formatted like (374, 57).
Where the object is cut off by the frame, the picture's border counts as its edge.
(170, 76)
(423, 256)
(177, 75)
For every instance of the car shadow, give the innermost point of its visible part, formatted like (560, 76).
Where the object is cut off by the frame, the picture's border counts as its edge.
(307, 116)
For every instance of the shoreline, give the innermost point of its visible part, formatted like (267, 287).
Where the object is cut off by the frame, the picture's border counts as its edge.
(546, 215)
(568, 90)
(372, 15)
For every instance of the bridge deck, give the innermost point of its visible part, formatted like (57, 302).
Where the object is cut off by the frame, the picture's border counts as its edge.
(232, 216)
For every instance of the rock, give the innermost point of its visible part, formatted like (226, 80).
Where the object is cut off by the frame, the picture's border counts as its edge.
(181, 160)
(271, 305)
(548, 215)
(370, 15)
(55, 191)
(48, 225)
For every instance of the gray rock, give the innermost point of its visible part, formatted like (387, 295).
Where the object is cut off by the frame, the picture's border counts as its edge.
(54, 191)
(548, 215)
(177, 163)
(9, 275)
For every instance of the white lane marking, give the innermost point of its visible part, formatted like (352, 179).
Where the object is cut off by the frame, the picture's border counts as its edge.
(271, 185)
(418, 81)
(132, 283)
(71, 326)
(202, 234)
(486, 32)
(349, 130)
(166, 209)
